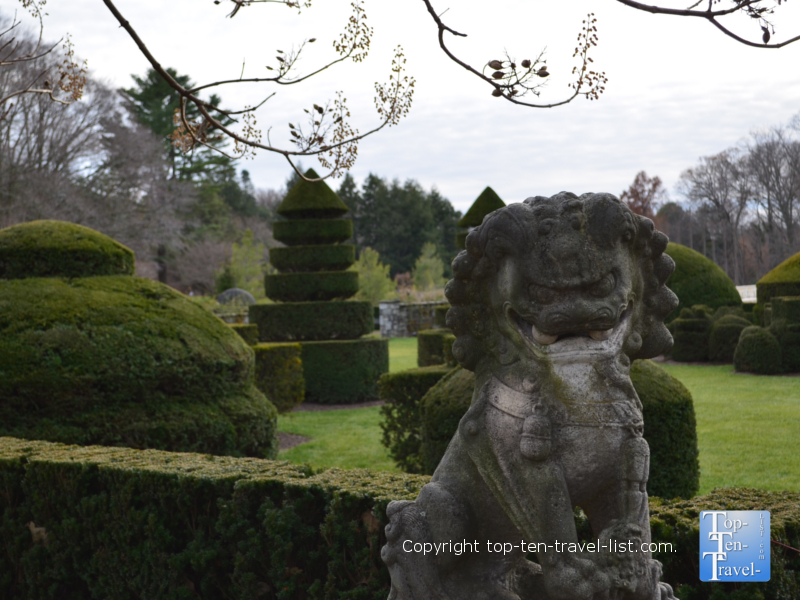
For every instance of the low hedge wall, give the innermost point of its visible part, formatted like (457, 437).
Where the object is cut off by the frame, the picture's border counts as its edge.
(725, 336)
(691, 332)
(434, 347)
(95, 522)
(309, 232)
(298, 321)
(279, 374)
(328, 257)
(248, 332)
(310, 287)
(344, 371)
(401, 393)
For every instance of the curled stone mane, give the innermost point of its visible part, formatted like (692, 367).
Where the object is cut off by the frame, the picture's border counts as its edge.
(536, 232)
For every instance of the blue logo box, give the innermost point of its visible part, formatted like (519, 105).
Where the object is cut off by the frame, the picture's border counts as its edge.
(734, 545)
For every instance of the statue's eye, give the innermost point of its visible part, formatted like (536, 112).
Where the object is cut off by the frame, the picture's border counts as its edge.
(541, 294)
(604, 287)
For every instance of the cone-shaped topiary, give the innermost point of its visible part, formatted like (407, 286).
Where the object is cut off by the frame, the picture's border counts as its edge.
(124, 361)
(697, 280)
(310, 292)
(308, 200)
(60, 249)
(488, 201)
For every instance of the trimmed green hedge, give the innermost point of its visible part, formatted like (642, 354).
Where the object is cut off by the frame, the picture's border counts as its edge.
(488, 201)
(308, 200)
(312, 231)
(441, 410)
(300, 321)
(783, 280)
(249, 332)
(80, 523)
(311, 287)
(725, 336)
(125, 361)
(433, 347)
(440, 316)
(697, 280)
(461, 239)
(691, 332)
(758, 351)
(60, 249)
(401, 425)
(344, 371)
(279, 374)
(329, 257)
(786, 308)
(670, 427)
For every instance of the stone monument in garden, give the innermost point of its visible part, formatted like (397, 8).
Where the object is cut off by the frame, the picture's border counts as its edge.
(551, 301)
(311, 294)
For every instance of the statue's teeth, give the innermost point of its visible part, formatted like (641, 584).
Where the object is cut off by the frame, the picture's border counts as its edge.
(542, 338)
(600, 335)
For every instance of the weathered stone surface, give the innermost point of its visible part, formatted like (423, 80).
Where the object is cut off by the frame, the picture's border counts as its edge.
(551, 301)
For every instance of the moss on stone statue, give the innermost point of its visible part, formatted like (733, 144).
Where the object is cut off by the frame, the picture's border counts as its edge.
(307, 200)
(120, 360)
(670, 426)
(60, 249)
(697, 280)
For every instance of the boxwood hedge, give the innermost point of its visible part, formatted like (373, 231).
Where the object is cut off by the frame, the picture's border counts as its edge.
(344, 371)
(279, 374)
(401, 425)
(725, 336)
(93, 522)
(758, 351)
(310, 287)
(299, 321)
(325, 257)
(312, 231)
(691, 332)
(697, 280)
(248, 332)
(434, 347)
(783, 280)
(121, 360)
(60, 249)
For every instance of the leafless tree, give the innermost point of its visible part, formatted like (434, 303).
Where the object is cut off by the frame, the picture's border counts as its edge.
(61, 80)
(723, 183)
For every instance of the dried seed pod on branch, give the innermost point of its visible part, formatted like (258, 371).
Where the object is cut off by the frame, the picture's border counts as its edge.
(328, 134)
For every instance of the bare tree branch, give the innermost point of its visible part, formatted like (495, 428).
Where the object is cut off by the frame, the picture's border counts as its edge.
(512, 82)
(334, 141)
(752, 8)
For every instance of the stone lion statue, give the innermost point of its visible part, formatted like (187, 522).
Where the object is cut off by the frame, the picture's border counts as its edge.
(551, 300)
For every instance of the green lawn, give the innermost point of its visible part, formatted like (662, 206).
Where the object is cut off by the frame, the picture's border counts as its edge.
(748, 427)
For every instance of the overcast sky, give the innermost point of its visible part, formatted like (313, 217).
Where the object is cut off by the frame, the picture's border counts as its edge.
(678, 89)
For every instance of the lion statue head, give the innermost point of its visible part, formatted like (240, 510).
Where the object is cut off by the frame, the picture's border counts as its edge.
(566, 274)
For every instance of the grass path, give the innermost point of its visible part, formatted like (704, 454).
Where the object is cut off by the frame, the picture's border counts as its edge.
(748, 427)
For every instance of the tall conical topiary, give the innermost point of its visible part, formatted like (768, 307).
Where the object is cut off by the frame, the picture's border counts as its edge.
(487, 202)
(311, 292)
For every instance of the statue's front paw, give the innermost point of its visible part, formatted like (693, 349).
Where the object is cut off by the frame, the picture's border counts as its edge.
(576, 578)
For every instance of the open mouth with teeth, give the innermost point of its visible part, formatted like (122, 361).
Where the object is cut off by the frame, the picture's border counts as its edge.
(588, 340)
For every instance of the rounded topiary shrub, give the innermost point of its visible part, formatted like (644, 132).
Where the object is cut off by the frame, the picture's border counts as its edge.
(783, 280)
(697, 280)
(60, 249)
(758, 351)
(670, 426)
(691, 332)
(670, 429)
(725, 336)
(120, 360)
